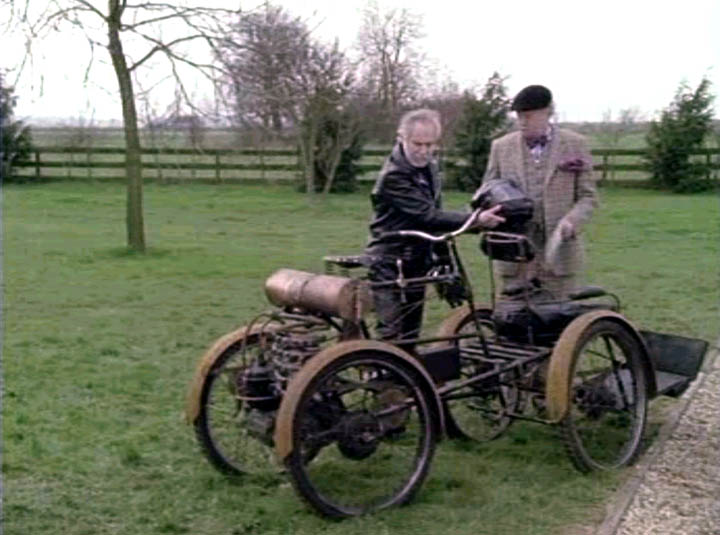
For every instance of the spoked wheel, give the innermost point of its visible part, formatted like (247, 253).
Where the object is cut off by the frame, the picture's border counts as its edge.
(479, 411)
(235, 437)
(363, 432)
(604, 425)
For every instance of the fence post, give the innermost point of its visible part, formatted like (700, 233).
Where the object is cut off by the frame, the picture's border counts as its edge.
(37, 164)
(605, 167)
(217, 166)
(708, 161)
(262, 161)
(160, 176)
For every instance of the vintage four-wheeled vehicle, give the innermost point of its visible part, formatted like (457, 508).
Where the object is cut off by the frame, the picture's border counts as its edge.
(355, 421)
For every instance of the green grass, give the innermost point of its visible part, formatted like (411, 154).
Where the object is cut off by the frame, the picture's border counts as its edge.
(100, 345)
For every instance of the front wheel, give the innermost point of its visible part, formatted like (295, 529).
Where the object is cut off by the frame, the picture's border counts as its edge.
(479, 412)
(604, 425)
(363, 433)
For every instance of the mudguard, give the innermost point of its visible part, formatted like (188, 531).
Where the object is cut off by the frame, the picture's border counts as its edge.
(452, 323)
(205, 364)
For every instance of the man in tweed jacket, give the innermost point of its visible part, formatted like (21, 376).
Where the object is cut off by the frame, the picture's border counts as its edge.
(554, 168)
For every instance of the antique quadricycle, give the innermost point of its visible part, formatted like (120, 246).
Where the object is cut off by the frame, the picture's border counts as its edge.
(355, 421)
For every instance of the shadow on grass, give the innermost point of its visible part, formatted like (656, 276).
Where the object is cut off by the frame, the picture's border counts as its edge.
(151, 253)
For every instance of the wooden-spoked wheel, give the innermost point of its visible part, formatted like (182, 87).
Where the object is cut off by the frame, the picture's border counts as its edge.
(480, 411)
(604, 392)
(357, 429)
(226, 427)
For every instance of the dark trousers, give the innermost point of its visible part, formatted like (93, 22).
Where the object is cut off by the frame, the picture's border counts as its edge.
(399, 311)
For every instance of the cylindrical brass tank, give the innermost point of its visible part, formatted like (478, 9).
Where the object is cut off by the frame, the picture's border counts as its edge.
(337, 296)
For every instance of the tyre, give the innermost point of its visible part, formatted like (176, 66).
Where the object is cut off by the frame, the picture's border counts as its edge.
(363, 434)
(478, 412)
(235, 437)
(607, 412)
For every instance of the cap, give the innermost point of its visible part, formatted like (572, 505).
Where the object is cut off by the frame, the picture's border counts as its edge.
(533, 97)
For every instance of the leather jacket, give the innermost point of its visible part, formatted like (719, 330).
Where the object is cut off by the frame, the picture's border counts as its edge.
(406, 197)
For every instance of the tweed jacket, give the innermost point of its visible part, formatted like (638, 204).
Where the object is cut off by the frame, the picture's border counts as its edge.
(566, 194)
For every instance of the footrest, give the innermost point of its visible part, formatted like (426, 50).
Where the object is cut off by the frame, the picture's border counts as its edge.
(675, 354)
(671, 384)
(586, 292)
(348, 262)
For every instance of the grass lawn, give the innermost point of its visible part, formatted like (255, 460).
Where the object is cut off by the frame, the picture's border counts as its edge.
(100, 345)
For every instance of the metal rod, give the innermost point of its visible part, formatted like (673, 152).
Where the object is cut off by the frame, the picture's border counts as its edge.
(488, 375)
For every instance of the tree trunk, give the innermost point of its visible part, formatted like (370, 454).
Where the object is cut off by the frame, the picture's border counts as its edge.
(133, 161)
(308, 133)
(338, 148)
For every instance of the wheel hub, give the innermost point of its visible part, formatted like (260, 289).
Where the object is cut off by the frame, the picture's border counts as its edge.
(361, 433)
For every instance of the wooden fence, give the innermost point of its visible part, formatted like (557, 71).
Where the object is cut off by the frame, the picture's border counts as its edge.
(226, 165)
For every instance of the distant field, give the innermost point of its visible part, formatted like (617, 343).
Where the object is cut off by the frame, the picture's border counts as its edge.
(232, 139)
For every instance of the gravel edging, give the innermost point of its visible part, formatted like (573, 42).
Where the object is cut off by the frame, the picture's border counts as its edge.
(657, 498)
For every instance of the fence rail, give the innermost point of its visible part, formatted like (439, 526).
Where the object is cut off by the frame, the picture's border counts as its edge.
(229, 165)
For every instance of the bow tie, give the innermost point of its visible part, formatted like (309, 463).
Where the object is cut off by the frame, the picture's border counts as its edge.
(539, 141)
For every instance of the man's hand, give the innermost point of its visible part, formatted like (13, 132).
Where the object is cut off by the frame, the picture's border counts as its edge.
(489, 218)
(567, 229)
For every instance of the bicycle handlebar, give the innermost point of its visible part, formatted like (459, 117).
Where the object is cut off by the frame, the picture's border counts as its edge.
(432, 238)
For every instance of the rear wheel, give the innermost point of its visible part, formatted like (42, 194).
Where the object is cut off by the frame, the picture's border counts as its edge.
(606, 419)
(480, 411)
(368, 427)
(235, 437)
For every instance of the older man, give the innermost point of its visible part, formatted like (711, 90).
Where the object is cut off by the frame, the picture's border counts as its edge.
(407, 196)
(554, 168)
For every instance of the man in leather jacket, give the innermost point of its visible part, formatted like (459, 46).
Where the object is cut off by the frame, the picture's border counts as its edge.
(407, 196)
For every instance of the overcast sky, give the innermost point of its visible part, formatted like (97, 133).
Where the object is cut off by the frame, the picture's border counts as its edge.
(595, 56)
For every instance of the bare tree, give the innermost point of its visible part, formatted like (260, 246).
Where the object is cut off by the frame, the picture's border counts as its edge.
(279, 78)
(449, 101)
(326, 118)
(392, 63)
(143, 23)
(262, 55)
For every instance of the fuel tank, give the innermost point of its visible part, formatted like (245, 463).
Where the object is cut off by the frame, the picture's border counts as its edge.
(341, 297)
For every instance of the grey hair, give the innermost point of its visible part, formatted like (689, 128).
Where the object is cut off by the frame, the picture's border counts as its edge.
(422, 115)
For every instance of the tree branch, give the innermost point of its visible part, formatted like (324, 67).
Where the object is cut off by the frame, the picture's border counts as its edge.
(90, 7)
(160, 46)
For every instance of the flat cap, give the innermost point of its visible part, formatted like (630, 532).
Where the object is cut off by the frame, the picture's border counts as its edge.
(533, 97)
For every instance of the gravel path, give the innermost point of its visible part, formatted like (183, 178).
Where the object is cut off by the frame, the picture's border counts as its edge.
(677, 489)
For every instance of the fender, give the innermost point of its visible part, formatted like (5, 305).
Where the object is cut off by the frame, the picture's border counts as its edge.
(299, 383)
(206, 362)
(450, 325)
(557, 387)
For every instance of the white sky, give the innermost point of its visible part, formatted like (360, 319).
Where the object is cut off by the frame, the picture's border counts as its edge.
(594, 56)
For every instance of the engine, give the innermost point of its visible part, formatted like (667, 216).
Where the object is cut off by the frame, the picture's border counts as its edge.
(262, 384)
(290, 350)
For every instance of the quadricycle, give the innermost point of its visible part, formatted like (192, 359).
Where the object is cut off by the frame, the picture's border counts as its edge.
(305, 388)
